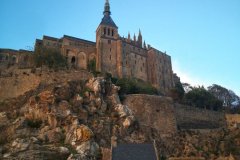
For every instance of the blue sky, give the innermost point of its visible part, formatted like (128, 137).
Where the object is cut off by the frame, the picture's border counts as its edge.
(201, 36)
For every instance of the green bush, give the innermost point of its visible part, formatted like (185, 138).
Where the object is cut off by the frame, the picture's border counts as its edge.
(52, 58)
(135, 86)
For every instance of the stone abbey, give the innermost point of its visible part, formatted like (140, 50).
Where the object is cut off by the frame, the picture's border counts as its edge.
(122, 57)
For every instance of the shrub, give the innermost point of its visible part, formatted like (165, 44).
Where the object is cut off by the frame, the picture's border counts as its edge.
(43, 55)
(135, 86)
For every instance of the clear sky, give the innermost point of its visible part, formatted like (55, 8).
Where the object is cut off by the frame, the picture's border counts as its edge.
(201, 36)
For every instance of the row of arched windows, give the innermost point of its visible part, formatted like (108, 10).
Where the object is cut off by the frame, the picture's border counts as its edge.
(108, 31)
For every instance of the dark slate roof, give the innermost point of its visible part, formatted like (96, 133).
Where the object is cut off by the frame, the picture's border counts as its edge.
(78, 39)
(107, 20)
(134, 152)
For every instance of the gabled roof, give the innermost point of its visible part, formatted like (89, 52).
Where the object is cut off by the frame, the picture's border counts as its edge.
(133, 152)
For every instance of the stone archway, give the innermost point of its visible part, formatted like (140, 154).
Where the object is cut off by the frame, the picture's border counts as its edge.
(82, 60)
(14, 59)
(92, 56)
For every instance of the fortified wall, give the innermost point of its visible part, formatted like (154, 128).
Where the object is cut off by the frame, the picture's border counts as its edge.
(16, 81)
(154, 111)
(189, 117)
(166, 117)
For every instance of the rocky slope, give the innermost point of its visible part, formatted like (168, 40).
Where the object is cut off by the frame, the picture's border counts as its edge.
(76, 120)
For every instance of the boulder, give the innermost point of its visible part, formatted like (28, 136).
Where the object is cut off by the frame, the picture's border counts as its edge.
(89, 148)
(96, 84)
(63, 150)
(77, 99)
(3, 116)
(78, 134)
(54, 135)
(128, 122)
(123, 110)
(64, 109)
(20, 145)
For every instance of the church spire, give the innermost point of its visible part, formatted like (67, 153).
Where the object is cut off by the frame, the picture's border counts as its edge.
(107, 8)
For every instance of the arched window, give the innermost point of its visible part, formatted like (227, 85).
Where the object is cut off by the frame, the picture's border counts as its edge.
(112, 32)
(108, 31)
(105, 31)
(14, 59)
(73, 60)
(1, 58)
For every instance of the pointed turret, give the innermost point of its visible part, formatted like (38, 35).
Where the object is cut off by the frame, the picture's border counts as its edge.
(139, 39)
(144, 45)
(129, 38)
(134, 38)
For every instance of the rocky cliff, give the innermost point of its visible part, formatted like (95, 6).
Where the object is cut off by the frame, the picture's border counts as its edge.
(76, 120)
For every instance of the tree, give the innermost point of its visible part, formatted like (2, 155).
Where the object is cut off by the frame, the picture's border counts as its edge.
(177, 92)
(50, 57)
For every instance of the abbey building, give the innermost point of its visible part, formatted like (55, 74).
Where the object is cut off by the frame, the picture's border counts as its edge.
(123, 57)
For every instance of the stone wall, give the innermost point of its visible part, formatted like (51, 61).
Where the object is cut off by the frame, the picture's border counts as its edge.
(153, 111)
(189, 117)
(20, 81)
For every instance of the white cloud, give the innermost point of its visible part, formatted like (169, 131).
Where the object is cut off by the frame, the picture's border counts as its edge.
(187, 77)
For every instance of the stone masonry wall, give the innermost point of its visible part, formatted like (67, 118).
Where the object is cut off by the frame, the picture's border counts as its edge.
(154, 111)
(23, 80)
(189, 117)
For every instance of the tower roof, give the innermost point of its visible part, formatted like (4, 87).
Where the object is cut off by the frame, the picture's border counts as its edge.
(107, 20)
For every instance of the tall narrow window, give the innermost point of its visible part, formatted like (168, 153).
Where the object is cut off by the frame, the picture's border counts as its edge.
(110, 57)
(112, 32)
(108, 31)
(109, 41)
(126, 62)
(105, 31)
(110, 49)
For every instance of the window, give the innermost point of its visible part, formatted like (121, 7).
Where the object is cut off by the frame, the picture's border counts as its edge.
(1, 58)
(54, 44)
(48, 43)
(78, 44)
(112, 32)
(126, 62)
(109, 41)
(134, 48)
(110, 49)
(110, 57)
(108, 31)
(14, 59)
(6, 57)
(138, 50)
(105, 31)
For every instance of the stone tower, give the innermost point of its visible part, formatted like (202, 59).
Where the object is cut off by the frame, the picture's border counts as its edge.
(106, 29)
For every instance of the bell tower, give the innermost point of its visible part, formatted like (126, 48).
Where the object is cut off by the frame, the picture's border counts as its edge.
(106, 29)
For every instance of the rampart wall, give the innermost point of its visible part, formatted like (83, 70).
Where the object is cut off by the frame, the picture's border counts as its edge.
(16, 81)
(189, 117)
(154, 111)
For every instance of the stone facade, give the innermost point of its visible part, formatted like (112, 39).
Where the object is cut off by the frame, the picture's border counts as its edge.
(176, 79)
(10, 57)
(123, 57)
